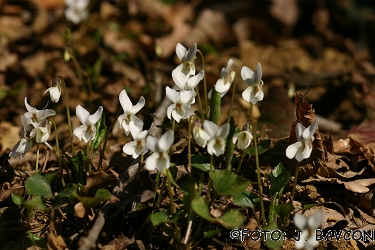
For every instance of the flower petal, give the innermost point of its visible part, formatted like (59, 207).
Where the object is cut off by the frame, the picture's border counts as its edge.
(192, 82)
(152, 143)
(21, 148)
(125, 102)
(186, 97)
(210, 128)
(247, 75)
(170, 110)
(80, 131)
(140, 104)
(172, 94)
(55, 93)
(28, 107)
(166, 141)
(151, 161)
(258, 74)
(180, 51)
(134, 130)
(300, 221)
(163, 161)
(223, 131)
(310, 131)
(179, 77)
(299, 131)
(190, 55)
(292, 149)
(246, 95)
(94, 118)
(129, 147)
(137, 122)
(82, 114)
(315, 220)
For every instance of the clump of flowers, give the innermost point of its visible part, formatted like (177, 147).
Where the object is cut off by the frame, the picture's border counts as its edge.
(77, 10)
(180, 108)
(199, 135)
(138, 146)
(187, 67)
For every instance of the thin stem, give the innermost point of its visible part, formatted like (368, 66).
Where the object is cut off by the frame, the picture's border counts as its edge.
(199, 101)
(232, 100)
(88, 166)
(260, 187)
(240, 162)
(37, 158)
(189, 145)
(205, 83)
(209, 180)
(295, 182)
(173, 208)
(58, 153)
(161, 191)
(62, 82)
(60, 159)
(190, 224)
(101, 157)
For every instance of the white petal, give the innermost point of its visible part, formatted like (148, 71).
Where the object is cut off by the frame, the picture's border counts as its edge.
(311, 242)
(179, 78)
(152, 143)
(200, 136)
(180, 51)
(93, 119)
(89, 134)
(193, 81)
(141, 102)
(21, 148)
(137, 122)
(246, 95)
(190, 55)
(125, 102)
(138, 150)
(55, 93)
(186, 97)
(129, 148)
(80, 131)
(166, 140)
(28, 107)
(170, 110)
(210, 146)
(315, 220)
(304, 152)
(259, 95)
(82, 114)
(299, 131)
(247, 74)
(292, 149)
(301, 243)
(244, 139)
(221, 87)
(151, 161)
(310, 131)
(210, 128)
(258, 74)
(142, 134)
(163, 161)
(134, 130)
(300, 221)
(172, 94)
(223, 131)
(178, 115)
(42, 134)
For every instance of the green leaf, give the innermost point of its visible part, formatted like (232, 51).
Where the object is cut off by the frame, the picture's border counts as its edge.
(56, 202)
(52, 176)
(279, 179)
(204, 167)
(200, 159)
(231, 219)
(229, 147)
(159, 218)
(189, 185)
(37, 203)
(101, 129)
(200, 207)
(68, 191)
(275, 237)
(101, 195)
(215, 106)
(211, 233)
(39, 242)
(38, 185)
(308, 206)
(246, 199)
(226, 182)
(262, 147)
(283, 210)
(18, 199)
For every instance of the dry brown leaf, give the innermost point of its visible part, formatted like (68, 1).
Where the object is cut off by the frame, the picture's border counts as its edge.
(15, 189)
(80, 210)
(359, 186)
(55, 241)
(286, 11)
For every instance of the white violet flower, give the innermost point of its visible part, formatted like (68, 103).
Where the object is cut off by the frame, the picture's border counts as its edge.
(187, 67)
(129, 112)
(22, 147)
(188, 84)
(138, 146)
(87, 130)
(180, 108)
(253, 93)
(243, 139)
(77, 10)
(303, 147)
(216, 145)
(224, 82)
(54, 91)
(308, 226)
(199, 135)
(36, 116)
(159, 159)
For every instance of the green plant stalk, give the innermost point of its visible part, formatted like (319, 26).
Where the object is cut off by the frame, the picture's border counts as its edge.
(295, 182)
(232, 100)
(101, 157)
(161, 191)
(240, 161)
(189, 145)
(199, 102)
(62, 81)
(209, 180)
(173, 209)
(60, 160)
(204, 83)
(257, 165)
(37, 158)
(88, 166)
(58, 153)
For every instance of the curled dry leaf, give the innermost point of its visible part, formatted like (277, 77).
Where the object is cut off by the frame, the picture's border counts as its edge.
(55, 241)
(306, 115)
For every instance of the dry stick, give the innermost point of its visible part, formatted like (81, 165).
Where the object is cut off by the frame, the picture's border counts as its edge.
(89, 242)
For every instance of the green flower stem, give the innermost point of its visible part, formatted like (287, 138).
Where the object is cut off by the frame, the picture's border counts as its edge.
(295, 182)
(101, 157)
(88, 166)
(161, 191)
(199, 101)
(204, 83)
(209, 180)
(173, 208)
(240, 161)
(37, 158)
(189, 145)
(58, 153)
(260, 187)
(60, 160)
(62, 82)
(232, 100)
